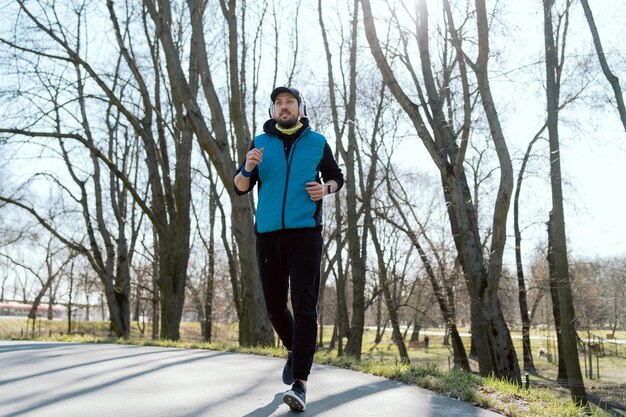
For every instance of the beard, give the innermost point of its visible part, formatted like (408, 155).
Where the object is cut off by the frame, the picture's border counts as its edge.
(289, 122)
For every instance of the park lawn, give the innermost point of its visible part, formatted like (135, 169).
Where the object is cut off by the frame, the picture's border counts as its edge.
(427, 369)
(612, 369)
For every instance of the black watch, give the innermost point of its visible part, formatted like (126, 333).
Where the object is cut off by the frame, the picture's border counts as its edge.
(330, 188)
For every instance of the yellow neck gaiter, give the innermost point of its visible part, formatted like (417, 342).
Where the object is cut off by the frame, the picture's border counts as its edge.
(289, 131)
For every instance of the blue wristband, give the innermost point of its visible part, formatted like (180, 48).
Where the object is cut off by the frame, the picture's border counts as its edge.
(244, 172)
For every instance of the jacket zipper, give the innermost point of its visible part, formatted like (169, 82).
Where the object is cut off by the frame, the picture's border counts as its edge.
(288, 160)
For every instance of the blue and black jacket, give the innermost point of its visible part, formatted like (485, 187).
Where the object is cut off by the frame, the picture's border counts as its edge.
(289, 162)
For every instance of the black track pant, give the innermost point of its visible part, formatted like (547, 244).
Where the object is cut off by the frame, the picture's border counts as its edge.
(290, 259)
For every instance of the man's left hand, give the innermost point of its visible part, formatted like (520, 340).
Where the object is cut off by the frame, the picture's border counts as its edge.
(316, 190)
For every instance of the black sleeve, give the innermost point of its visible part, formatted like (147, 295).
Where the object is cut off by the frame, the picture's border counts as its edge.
(329, 168)
(253, 178)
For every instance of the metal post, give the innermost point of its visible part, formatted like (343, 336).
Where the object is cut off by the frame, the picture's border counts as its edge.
(585, 358)
(590, 361)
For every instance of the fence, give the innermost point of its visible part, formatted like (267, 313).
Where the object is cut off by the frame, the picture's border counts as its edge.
(610, 396)
(614, 348)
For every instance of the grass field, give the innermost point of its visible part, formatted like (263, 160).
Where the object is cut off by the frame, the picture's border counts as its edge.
(428, 369)
(611, 368)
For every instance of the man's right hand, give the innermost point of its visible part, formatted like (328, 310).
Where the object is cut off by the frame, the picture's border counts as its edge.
(253, 158)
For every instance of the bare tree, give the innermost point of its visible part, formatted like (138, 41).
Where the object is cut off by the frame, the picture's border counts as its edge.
(51, 276)
(330, 267)
(610, 77)
(529, 366)
(254, 327)
(203, 291)
(343, 321)
(442, 289)
(526, 315)
(169, 184)
(617, 291)
(561, 266)
(496, 352)
(345, 129)
(47, 274)
(109, 255)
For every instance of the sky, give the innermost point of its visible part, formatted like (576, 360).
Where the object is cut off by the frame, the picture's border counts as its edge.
(593, 141)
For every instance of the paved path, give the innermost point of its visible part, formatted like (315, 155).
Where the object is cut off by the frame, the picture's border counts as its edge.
(98, 380)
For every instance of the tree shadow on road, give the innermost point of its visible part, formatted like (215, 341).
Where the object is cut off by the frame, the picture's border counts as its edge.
(268, 409)
(181, 357)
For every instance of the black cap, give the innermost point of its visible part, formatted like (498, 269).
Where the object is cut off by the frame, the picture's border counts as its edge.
(289, 90)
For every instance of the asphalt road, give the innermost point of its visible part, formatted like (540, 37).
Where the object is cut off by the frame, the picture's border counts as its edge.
(98, 380)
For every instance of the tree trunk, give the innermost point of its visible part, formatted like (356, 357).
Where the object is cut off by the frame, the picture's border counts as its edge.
(343, 321)
(379, 321)
(122, 283)
(344, 327)
(446, 338)
(175, 213)
(172, 281)
(392, 309)
(137, 306)
(254, 326)
(472, 353)
(529, 366)
(321, 301)
(568, 321)
(356, 250)
(321, 315)
(357, 245)
(155, 287)
(333, 338)
(506, 364)
(207, 327)
(415, 334)
(556, 308)
(464, 224)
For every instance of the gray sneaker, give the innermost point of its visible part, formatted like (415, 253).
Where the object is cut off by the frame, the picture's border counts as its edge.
(295, 398)
(287, 371)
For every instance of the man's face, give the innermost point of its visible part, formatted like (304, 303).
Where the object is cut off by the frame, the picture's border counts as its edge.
(286, 110)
